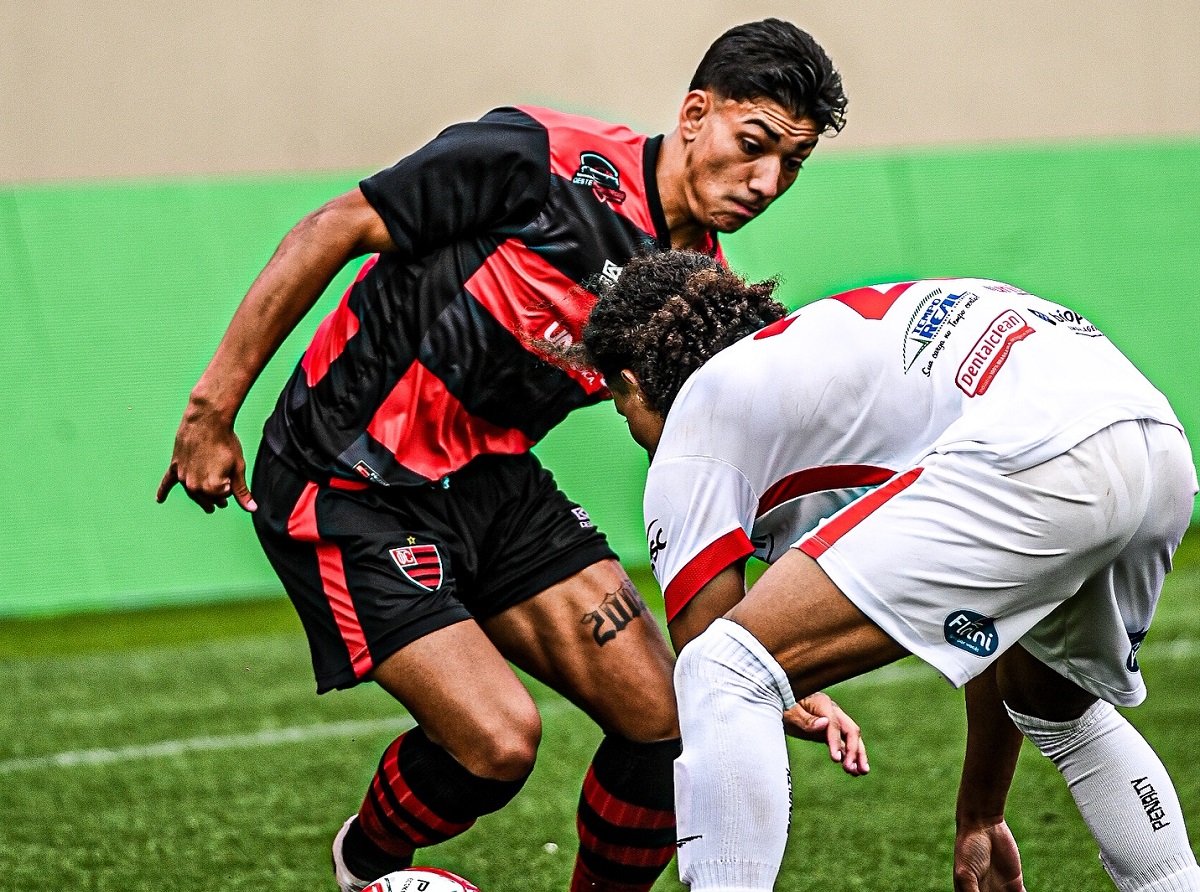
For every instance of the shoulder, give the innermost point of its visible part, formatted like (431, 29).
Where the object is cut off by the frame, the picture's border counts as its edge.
(588, 150)
(567, 125)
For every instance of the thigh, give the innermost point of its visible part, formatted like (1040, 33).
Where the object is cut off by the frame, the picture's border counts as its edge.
(810, 627)
(958, 562)
(527, 534)
(466, 698)
(1095, 636)
(592, 638)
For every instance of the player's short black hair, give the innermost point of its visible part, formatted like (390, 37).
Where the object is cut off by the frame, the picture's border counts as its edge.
(774, 59)
(668, 314)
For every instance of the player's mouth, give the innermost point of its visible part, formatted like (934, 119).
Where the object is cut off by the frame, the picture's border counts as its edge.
(746, 210)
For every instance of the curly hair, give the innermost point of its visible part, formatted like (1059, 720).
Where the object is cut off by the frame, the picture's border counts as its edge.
(669, 313)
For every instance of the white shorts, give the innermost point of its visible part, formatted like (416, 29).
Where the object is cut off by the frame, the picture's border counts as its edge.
(957, 561)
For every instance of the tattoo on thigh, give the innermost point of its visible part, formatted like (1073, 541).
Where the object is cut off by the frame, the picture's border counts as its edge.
(616, 611)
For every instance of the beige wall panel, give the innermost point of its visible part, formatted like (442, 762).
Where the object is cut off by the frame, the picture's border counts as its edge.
(136, 88)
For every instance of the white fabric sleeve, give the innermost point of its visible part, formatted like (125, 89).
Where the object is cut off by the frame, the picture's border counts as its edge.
(698, 514)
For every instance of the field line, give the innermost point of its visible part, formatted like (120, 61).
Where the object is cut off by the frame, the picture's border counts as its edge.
(270, 737)
(888, 675)
(255, 740)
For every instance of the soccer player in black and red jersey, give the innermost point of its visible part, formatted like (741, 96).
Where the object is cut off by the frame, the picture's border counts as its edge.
(420, 540)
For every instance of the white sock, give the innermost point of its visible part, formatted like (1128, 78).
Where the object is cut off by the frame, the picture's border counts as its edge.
(733, 799)
(1125, 796)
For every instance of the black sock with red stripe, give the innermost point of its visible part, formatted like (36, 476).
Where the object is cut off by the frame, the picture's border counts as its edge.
(626, 816)
(420, 795)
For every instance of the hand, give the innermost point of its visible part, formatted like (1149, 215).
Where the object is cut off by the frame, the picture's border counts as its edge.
(818, 718)
(207, 463)
(986, 859)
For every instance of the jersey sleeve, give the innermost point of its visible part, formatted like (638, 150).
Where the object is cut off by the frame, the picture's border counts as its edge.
(698, 512)
(474, 177)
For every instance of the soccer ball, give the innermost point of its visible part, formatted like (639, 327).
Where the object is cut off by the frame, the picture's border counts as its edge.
(421, 879)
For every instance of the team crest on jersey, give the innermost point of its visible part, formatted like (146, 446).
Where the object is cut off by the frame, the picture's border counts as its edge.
(927, 321)
(972, 632)
(420, 564)
(601, 174)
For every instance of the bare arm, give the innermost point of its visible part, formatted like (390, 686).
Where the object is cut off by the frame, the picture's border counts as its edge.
(986, 858)
(714, 600)
(207, 460)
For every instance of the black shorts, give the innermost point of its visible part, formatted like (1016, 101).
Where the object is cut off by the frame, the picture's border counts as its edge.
(370, 569)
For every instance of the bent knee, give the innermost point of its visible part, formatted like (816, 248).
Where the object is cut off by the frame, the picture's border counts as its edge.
(508, 751)
(728, 657)
(696, 662)
(503, 749)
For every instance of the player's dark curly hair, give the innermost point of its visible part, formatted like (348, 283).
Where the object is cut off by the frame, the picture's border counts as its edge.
(667, 315)
(774, 59)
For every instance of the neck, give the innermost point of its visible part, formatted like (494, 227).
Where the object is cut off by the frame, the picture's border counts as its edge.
(686, 231)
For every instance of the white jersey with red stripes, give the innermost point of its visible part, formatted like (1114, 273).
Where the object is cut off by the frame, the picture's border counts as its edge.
(794, 422)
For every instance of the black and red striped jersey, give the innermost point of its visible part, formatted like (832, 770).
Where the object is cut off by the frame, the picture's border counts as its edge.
(432, 357)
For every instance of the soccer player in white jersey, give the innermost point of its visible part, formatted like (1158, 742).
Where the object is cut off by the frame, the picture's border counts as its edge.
(952, 468)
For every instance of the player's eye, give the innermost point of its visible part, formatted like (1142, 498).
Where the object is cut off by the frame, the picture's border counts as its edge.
(750, 147)
(793, 165)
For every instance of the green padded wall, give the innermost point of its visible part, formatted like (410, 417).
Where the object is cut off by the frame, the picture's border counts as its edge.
(113, 296)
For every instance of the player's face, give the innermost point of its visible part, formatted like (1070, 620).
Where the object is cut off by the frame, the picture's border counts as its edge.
(741, 156)
(645, 425)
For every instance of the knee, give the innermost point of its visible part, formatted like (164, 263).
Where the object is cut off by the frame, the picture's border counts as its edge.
(502, 748)
(729, 658)
(697, 661)
(695, 668)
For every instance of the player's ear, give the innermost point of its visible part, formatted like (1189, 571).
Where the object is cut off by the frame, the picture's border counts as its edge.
(696, 105)
(630, 382)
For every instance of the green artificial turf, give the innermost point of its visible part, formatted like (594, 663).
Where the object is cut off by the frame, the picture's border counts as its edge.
(259, 772)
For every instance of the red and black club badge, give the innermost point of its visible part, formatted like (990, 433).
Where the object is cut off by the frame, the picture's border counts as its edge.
(420, 564)
(602, 175)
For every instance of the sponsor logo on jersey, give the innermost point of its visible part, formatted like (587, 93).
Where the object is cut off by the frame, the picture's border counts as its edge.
(365, 470)
(558, 336)
(990, 352)
(656, 538)
(1135, 644)
(972, 632)
(601, 174)
(926, 322)
(611, 272)
(616, 611)
(1069, 318)
(420, 564)
(582, 516)
(1004, 288)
